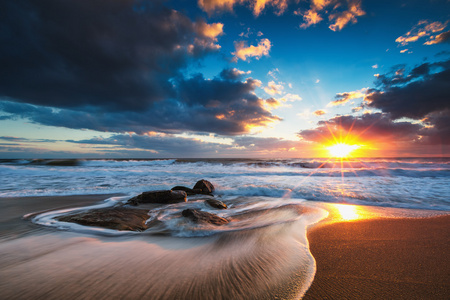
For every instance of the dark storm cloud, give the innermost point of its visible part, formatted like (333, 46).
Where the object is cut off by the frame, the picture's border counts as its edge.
(111, 54)
(424, 90)
(438, 131)
(217, 105)
(372, 127)
(118, 66)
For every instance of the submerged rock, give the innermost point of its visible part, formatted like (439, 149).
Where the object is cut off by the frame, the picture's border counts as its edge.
(162, 196)
(188, 191)
(118, 218)
(205, 186)
(199, 216)
(216, 203)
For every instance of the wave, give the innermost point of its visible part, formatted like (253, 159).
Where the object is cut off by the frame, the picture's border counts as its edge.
(417, 183)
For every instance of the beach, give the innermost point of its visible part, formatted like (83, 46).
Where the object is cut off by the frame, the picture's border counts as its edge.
(374, 258)
(394, 258)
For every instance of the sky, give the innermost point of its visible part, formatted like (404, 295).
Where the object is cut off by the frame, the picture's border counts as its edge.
(224, 78)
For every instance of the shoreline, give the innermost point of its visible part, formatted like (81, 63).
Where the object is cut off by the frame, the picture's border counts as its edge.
(364, 257)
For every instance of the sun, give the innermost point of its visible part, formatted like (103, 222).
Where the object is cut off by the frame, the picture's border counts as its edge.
(341, 150)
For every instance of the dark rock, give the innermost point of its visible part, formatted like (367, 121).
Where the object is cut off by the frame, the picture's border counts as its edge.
(188, 191)
(118, 218)
(203, 217)
(162, 196)
(205, 186)
(216, 203)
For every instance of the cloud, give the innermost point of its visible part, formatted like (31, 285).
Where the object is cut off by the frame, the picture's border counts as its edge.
(340, 13)
(319, 112)
(440, 38)
(121, 56)
(161, 145)
(233, 74)
(421, 94)
(120, 70)
(376, 127)
(273, 73)
(421, 30)
(281, 102)
(243, 51)
(437, 129)
(414, 94)
(311, 17)
(342, 18)
(224, 105)
(176, 146)
(291, 97)
(257, 6)
(273, 89)
(343, 98)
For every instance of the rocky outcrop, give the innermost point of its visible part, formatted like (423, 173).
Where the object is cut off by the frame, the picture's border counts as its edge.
(162, 197)
(199, 216)
(205, 186)
(216, 203)
(188, 191)
(118, 218)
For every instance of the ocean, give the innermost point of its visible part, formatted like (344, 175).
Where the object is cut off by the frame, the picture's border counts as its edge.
(419, 183)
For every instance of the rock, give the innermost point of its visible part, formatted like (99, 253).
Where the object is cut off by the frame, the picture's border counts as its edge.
(188, 191)
(203, 217)
(162, 196)
(216, 203)
(118, 218)
(205, 186)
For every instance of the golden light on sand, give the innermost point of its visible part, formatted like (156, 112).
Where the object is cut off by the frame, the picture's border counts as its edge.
(347, 212)
(341, 150)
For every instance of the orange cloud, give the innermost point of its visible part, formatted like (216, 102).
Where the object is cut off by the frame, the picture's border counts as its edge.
(211, 31)
(340, 13)
(319, 112)
(243, 51)
(342, 98)
(420, 30)
(440, 38)
(341, 19)
(311, 17)
(208, 34)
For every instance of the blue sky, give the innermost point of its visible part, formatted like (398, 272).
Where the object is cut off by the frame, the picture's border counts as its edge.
(223, 78)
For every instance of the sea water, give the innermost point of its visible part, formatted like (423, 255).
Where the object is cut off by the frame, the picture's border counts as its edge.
(420, 183)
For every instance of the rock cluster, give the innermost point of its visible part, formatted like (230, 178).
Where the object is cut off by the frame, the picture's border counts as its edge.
(203, 217)
(118, 218)
(126, 218)
(162, 197)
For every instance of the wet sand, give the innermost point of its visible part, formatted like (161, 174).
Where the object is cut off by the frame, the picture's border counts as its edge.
(382, 259)
(12, 209)
(45, 263)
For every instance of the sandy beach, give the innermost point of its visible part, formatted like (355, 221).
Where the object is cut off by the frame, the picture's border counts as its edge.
(387, 258)
(382, 259)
